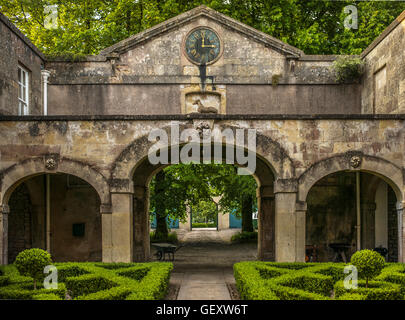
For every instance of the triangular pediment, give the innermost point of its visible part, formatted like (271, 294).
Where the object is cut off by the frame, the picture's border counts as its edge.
(190, 16)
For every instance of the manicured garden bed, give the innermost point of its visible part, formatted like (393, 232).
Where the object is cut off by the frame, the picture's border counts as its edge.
(92, 281)
(314, 281)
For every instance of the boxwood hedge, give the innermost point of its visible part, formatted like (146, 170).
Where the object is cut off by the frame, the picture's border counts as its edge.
(92, 281)
(257, 280)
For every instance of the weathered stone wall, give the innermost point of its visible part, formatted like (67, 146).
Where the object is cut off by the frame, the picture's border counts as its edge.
(16, 49)
(72, 201)
(99, 143)
(154, 76)
(384, 80)
(19, 231)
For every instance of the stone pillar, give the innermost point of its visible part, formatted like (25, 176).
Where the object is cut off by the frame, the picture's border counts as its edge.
(117, 229)
(141, 243)
(300, 229)
(401, 232)
(266, 225)
(285, 220)
(106, 233)
(4, 211)
(368, 225)
(187, 224)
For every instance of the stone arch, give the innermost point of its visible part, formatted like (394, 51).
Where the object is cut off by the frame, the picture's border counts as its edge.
(11, 177)
(380, 167)
(269, 151)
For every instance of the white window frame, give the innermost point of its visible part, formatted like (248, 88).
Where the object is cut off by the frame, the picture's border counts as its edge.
(23, 91)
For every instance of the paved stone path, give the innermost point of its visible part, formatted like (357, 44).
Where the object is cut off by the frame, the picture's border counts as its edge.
(204, 266)
(203, 284)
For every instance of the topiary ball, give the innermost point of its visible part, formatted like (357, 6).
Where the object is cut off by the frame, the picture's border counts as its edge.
(31, 263)
(369, 263)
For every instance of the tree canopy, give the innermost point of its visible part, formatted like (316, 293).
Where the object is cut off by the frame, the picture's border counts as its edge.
(88, 26)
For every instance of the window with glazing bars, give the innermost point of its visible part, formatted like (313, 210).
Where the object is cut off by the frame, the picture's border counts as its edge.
(23, 91)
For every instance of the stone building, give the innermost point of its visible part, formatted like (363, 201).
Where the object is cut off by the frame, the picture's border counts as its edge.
(74, 171)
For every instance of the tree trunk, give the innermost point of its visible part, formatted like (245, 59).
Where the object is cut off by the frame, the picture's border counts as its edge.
(161, 223)
(247, 211)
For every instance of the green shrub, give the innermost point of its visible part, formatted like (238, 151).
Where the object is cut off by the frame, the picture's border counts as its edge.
(136, 273)
(245, 236)
(69, 270)
(31, 262)
(115, 293)
(88, 283)
(115, 265)
(312, 282)
(352, 296)
(249, 282)
(25, 291)
(376, 290)
(44, 296)
(204, 225)
(171, 237)
(4, 280)
(348, 69)
(369, 264)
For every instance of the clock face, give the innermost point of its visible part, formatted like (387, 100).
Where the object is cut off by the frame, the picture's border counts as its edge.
(202, 46)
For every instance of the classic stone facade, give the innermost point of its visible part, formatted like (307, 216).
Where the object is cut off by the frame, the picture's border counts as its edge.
(101, 111)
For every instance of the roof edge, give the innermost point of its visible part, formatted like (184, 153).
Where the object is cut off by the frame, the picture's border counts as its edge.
(383, 35)
(192, 14)
(16, 31)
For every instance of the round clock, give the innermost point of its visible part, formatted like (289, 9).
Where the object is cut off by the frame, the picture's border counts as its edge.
(202, 46)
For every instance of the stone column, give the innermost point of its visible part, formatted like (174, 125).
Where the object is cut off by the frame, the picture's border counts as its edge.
(401, 231)
(117, 229)
(106, 233)
(300, 229)
(266, 226)
(4, 211)
(141, 247)
(186, 225)
(367, 225)
(285, 220)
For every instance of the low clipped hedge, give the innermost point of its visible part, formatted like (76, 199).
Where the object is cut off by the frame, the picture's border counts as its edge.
(377, 290)
(93, 281)
(24, 291)
(257, 280)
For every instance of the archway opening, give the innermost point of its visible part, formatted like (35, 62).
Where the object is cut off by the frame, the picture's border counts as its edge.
(55, 212)
(144, 180)
(349, 211)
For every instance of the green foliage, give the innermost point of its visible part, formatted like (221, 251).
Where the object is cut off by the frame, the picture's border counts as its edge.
(196, 184)
(348, 69)
(369, 263)
(171, 237)
(88, 283)
(376, 290)
(312, 281)
(95, 281)
(204, 225)
(4, 280)
(204, 212)
(23, 291)
(50, 296)
(351, 296)
(31, 262)
(316, 27)
(245, 236)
